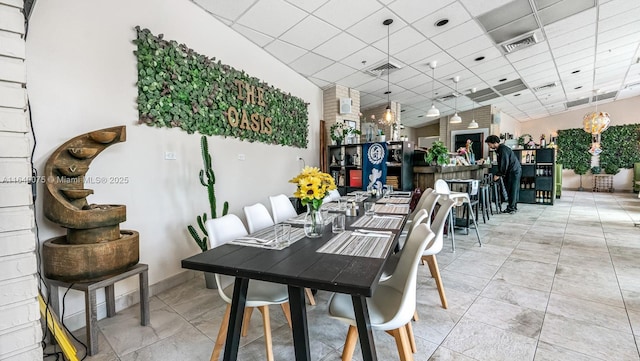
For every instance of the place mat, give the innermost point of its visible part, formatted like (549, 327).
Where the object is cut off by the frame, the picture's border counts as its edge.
(265, 238)
(385, 222)
(356, 244)
(331, 207)
(391, 208)
(401, 194)
(394, 200)
(299, 219)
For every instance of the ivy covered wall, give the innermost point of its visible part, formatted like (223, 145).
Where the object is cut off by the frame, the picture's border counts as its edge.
(177, 87)
(620, 147)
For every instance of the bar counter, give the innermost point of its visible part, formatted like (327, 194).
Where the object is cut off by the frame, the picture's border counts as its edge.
(426, 176)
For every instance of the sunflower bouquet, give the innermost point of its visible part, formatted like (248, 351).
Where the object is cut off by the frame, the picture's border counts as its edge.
(313, 186)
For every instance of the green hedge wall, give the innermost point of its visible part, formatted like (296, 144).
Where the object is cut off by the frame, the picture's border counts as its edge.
(573, 146)
(620, 146)
(178, 87)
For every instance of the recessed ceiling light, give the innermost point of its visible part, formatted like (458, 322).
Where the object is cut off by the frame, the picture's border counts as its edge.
(502, 80)
(479, 58)
(387, 92)
(516, 95)
(420, 116)
(575, 71)
(402, 110)
(578, 87)
(442, 22)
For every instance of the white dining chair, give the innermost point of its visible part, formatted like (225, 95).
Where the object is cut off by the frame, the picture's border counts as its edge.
(460, 199)
(260, 294)
(333, 195)
(281, 208)
(433, 248)
(258, 217)
(393, 302)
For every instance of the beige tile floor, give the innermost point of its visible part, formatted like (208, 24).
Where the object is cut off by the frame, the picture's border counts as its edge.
(555, 282)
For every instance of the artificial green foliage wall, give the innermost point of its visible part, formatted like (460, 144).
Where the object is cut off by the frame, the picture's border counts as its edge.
(178, 87)
(573, 146)
(620, 146)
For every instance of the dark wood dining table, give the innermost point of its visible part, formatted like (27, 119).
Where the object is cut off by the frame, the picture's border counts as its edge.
(298, 266)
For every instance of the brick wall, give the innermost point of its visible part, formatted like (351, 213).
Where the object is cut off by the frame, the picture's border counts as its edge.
(331, 107)
(20, 331)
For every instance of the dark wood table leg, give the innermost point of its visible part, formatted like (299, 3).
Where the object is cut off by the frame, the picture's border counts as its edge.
(364, 328)
(297, 306)
(235, 320)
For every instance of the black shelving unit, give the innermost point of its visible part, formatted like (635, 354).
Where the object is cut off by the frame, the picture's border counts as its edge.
(538, 173)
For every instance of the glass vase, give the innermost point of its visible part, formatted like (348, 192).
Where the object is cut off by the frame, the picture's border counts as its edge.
(313, 222)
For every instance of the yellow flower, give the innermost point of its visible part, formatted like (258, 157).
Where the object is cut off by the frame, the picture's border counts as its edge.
(313, 185)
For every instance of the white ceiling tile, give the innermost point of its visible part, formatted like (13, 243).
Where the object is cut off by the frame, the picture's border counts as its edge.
(484, 66)
(370, 55)
(284, 51)
(528, 52)
(458, 35)
(575, 56)
(340, 46)
(307, 5)
(630, 32)
(411, 11)
(256, 37)
(450, 70)
(493, 77)
(616, 7)
(343, 14)
(455, 13)
(373, 86)
(542, 58)
(283, 16)
(309, 33)
(573, 22)
(415, 81)
(567, 38)
(584, 44)
(226, 9)
(619, 20)
(471, 47)
(400, 40)
(334, 72)
(584, 63)
(488, 54)
(371, 28)
(605, 44)
(406, 73)
(477, 8)
(417, 52)
(320, 83)
(355, 80)
(310, 63)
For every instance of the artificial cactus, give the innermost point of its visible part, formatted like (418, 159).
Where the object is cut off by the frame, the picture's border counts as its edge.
(209, 182)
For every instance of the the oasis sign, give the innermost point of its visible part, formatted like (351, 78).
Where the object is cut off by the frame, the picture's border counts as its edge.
(178, 87)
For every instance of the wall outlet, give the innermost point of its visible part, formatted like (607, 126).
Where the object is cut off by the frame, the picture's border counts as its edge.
(241, 156)
(170, 156)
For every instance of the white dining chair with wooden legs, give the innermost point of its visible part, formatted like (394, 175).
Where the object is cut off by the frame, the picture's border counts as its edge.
(282, 209)
(260, 294)
(461, 199)
(433, 248)
(393, 302)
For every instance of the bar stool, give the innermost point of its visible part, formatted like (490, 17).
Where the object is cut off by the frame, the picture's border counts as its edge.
(461, 199)
(494, 193)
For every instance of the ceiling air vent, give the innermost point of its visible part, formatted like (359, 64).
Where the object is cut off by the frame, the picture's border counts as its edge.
(546, 86)
(449, 97)
(520, 43)
(383, 68)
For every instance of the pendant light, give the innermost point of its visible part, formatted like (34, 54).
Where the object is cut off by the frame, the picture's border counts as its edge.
(473, 124)
(388, 115)
(455, 119)
(433, 111)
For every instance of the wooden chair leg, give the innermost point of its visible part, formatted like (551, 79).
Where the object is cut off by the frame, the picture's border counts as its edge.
(402, 342)
(433, 265)
(312, 300)
(412, 340)
(415, 316)
(350, 343)
(430, 264)
(222, 335)
(246, 320)
(287, 312)
(266, 323)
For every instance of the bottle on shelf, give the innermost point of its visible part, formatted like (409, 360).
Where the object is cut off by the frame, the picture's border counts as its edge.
(533, 184)
(528, 158)
(533, 157)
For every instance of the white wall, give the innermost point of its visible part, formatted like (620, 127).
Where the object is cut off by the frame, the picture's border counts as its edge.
(82, 74)
(622, 112)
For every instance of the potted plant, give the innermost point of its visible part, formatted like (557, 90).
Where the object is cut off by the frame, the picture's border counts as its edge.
(207, 179)
(337, 133)
(350, 133)
(438, 153)
(381, 137)
(595, 170)
(611, 168)
(580, 169)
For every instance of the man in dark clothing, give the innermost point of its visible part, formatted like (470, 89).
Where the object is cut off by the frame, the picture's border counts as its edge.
(509, 168)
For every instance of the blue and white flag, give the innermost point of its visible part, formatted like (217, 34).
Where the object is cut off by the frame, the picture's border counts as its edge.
(374, 165)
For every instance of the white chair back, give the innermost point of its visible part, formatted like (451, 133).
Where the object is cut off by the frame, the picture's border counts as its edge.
(222, 230)
(438, 227)
(281, 208)
(441, 187)
(420, 203)
(258, 217)
(403, 279)
(333, 195)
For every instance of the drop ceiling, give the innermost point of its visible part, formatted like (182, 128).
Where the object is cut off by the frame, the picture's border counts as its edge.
(569, 50)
